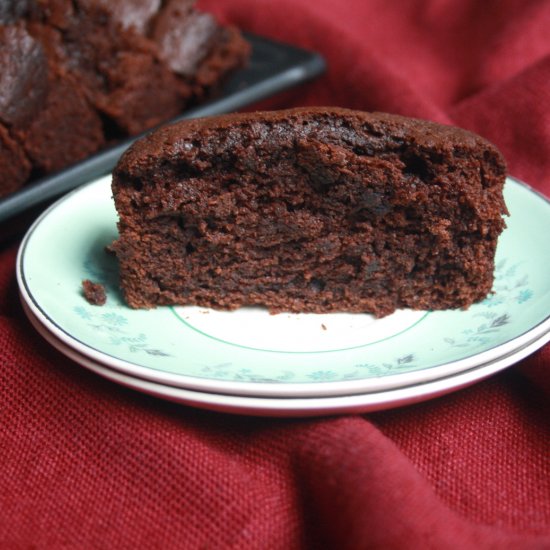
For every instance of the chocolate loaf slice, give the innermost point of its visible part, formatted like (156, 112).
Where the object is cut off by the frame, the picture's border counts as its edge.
(15, 166)
(77, 75)
(41, 108)
(309, 210)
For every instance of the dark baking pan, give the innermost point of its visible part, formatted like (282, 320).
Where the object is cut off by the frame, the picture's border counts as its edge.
(273, 67)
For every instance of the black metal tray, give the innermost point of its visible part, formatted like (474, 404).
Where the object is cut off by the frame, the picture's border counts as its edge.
(273, 67)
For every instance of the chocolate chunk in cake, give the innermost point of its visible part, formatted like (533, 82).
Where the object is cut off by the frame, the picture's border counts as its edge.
(309, 210)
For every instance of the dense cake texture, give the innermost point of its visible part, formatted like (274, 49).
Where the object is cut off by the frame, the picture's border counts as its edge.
(76, 75)
(41, 108)
(15, 167)
(309, 210)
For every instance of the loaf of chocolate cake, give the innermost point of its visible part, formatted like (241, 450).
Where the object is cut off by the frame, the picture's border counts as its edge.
(309, 210)
(76, 75)
(41, 107)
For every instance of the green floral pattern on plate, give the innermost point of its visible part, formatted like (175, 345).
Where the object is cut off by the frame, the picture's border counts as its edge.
(511, 287)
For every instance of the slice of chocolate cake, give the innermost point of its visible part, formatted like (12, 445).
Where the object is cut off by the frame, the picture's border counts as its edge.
(119, 53)
(117, 70)
(14, 164)
(309, 210)
(78, 74)
(65, 131)
(42, 109)
(23, 76)
(196, 48)
(23, 88)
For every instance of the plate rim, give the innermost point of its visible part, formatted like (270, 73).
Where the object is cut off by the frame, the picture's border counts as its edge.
(259, 388)
(270, 406)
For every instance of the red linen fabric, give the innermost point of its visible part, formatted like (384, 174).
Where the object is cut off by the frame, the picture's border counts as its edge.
(85, 463)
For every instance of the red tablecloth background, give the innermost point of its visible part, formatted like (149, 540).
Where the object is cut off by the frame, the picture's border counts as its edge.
(85, 463)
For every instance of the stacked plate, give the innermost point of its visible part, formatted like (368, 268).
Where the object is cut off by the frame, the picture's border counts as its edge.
(250, 362)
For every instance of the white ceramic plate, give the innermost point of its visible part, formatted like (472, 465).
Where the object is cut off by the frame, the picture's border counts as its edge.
(249, 352)
(294, 406)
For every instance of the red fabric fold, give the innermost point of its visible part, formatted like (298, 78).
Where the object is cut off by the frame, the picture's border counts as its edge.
(89, 464)
(372, 496)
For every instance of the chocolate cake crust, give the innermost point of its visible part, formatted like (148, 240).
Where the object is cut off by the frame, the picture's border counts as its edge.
(315, 209)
